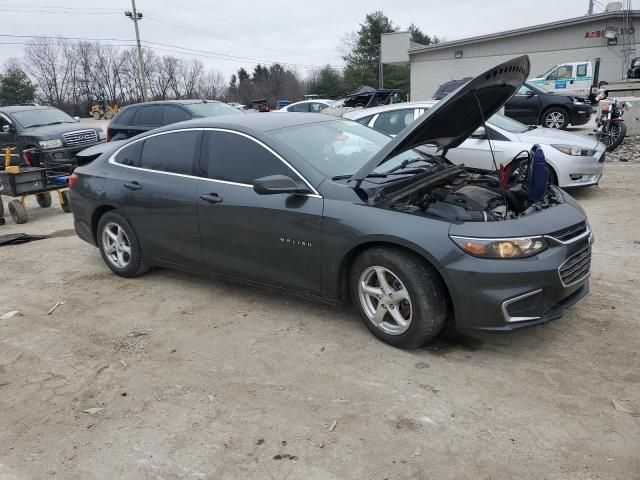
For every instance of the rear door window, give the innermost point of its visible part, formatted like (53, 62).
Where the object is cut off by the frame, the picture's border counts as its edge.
(151, 116)
(174, 115)
(130, 155)
(236, 158)
(581, 70)
(125, 117)
(171, 152)
(392, 123)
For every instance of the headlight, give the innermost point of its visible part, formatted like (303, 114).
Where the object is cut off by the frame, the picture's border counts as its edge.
(502, 248)
(101, 135)
(575, 151)
(57, 143)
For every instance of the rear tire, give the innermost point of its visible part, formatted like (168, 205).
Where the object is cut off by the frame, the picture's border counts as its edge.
(400, 298)
(119, 245)
(555, 117)
(44, 199)
(1, 208)
(64, 202)
(18, 212)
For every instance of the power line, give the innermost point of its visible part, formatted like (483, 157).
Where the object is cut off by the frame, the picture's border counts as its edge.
(159, 19)
(176, 49)
(24, 10)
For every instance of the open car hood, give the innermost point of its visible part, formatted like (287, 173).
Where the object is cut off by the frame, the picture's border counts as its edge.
(454, 119)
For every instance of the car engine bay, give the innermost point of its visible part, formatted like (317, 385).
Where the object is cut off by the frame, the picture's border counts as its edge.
(468, 196)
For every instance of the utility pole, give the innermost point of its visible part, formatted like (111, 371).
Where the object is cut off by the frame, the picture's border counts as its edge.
(591, 2)
(136, 17)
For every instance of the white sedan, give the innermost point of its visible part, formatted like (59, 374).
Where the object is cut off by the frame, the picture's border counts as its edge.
(576, 160)
(313, 106)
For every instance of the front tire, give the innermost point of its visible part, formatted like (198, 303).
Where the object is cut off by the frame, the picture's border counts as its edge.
(119, 246)
(400, 298)
(18, 212)
(613, 139)
(555, 117)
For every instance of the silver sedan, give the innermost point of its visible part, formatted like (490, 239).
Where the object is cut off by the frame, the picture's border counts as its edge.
(576, 160)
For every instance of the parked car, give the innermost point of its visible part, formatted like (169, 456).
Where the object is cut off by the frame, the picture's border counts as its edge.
(278, 200)
(533, 105)
(43, 133)
(447, 87)
(574, 160)
(313, 106)
(142, 117)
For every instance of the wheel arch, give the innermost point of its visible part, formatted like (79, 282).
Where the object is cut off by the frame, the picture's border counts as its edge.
(344, 270)
(551, 106)
(95, 219)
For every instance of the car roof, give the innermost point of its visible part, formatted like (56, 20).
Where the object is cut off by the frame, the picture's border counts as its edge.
(365, 112)
(174, 102)
(312, 100)
(262, 122)
(22, 108)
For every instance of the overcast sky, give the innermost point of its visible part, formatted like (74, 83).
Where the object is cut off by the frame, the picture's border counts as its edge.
(232, 34)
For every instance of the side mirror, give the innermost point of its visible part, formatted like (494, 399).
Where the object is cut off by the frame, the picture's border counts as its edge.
(77, 119)
(6, 129)
(479, 133)
(530, 93)
(273, 184)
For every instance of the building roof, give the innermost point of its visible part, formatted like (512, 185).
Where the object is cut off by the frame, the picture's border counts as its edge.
(618, 14)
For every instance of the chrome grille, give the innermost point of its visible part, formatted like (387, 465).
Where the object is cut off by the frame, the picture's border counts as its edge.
(576, 268)
(569, 233)
(80, 137)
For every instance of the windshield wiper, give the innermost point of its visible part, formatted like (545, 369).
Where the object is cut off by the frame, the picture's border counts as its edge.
(45, 124)
(405, 164)
(343, 177)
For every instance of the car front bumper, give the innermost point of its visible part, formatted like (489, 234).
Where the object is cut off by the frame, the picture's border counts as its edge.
(578, 171)
(580, 115)
(506, 295)
(64, 154)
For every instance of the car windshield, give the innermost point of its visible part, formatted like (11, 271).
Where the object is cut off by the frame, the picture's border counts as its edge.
(212, 109)
(41, 116)
(508, 124)
(341, 147)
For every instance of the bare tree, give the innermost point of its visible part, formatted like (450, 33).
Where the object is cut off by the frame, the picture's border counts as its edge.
(190, 73)
(212, 85)
(46, 63)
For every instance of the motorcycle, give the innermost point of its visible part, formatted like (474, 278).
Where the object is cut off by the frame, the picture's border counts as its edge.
(611, 127)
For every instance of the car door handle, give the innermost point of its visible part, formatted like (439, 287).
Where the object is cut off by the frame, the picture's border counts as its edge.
(211, 197)
(133, 186)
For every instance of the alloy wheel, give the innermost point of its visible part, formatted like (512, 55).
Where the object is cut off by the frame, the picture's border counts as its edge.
(385, 300)
(610, 137)
(116, 245)
(554, 120)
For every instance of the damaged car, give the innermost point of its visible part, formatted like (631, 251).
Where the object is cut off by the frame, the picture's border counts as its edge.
(331, 209)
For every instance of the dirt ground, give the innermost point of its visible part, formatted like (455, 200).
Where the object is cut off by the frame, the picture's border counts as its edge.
(174, 376)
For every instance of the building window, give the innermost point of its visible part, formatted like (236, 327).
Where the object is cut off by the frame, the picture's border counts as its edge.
(458, 53)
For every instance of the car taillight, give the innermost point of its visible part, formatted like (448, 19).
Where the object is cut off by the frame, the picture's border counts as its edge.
(73, 179)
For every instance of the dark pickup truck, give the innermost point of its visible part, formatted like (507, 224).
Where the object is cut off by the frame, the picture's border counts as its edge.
(43, 135)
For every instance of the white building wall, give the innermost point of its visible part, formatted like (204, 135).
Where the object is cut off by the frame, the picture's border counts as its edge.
(545, 48)
(426, 76)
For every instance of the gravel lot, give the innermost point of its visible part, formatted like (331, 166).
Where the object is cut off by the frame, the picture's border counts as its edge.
(174, 376)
